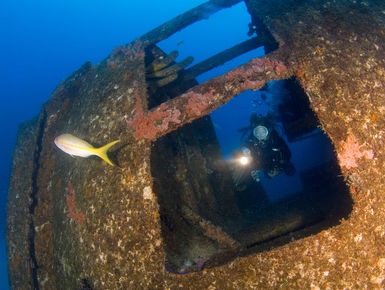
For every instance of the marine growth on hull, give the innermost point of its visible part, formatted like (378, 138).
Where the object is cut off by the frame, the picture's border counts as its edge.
(255, 174)
(214, 161)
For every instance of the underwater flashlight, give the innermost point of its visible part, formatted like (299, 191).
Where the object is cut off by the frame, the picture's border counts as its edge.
(244, 160)
(246, 156)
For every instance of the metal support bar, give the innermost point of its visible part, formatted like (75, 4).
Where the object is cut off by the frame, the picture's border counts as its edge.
(222, 57)
(200, 12)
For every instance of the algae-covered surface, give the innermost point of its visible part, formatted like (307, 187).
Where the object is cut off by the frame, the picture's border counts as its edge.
(78, 223)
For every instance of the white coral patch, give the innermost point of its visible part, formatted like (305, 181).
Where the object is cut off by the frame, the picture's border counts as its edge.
(147, 193)
(358, 238)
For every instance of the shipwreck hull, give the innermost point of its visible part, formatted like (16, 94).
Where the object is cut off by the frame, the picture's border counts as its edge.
(81, 224)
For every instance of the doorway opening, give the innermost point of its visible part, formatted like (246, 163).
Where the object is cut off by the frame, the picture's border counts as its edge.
(215, 207)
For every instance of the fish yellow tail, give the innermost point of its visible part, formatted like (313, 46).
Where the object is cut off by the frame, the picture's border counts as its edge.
(102, 151)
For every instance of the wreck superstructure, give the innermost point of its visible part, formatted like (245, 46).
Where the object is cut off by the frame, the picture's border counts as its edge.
(141, 96)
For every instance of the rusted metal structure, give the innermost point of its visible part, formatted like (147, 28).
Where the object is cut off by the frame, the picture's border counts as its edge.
(80, 224)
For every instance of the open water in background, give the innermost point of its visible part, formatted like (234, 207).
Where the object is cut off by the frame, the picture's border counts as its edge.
(42, 42)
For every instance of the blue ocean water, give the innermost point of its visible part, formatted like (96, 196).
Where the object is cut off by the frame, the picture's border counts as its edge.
(42, 42)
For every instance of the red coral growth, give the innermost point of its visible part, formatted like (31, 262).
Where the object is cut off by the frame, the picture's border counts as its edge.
(131, 51)
(280, 68)
(351, 153)
(196, 103)
(258, 66)
(148, 125)
(239, 72)
(112, 63)
(252, 85)
(73, 212)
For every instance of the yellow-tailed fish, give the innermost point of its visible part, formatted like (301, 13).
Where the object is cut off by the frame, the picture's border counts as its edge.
(77, 147)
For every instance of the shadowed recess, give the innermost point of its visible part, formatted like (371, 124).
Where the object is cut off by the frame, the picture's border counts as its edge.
(213, 208)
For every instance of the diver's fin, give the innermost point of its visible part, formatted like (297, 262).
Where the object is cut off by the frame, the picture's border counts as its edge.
(102, 151)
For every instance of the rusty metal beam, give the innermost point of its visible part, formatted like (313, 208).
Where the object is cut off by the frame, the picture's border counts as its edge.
(222, 57)
(203, 11)
(203, 99)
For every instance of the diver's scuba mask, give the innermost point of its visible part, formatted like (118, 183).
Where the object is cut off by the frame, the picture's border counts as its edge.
(261, 132)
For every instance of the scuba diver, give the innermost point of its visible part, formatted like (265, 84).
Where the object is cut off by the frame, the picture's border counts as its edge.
(264, 149)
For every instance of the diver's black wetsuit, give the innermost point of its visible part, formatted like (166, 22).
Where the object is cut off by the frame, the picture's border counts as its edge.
(273, 155)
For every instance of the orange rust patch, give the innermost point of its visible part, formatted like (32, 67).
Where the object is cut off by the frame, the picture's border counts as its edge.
(299, 73)
(373, 118)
